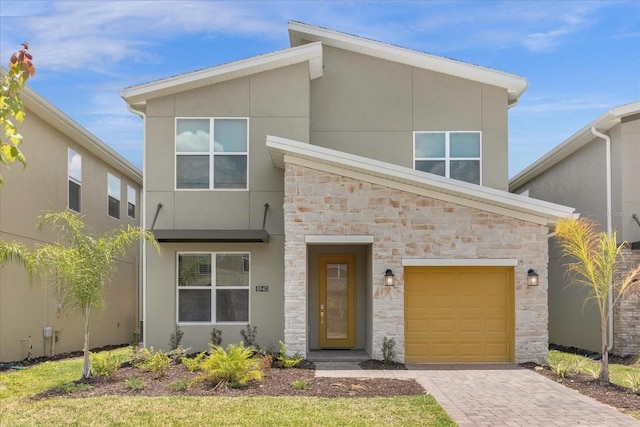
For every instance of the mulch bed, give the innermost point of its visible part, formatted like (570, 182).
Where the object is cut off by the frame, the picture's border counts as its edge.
(276, 382)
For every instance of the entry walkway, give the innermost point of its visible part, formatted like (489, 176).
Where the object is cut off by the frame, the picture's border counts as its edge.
(496, 395)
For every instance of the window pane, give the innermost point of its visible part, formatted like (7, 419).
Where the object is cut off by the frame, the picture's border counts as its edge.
(466, 144)
(230, 135)
(232, 305)
(192, 135)
(232, 270)
(430, 145)
(113, 186)
(74, 196)
(230, 172)
(194, 270)
(114, 207)
(432, 166)
(131, 210)
(75, 166)
(192, 172)
(466, 170)
(194, 305)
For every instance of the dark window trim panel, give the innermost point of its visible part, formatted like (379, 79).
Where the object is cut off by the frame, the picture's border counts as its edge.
(260, 236)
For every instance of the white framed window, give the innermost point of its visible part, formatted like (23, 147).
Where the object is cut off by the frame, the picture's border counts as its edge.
(131, 201)
(113, 196)
(212, 153)
(454, 155)
(213, 287)
(74, 172)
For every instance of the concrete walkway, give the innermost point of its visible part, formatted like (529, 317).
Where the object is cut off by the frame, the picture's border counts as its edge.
(495, 395)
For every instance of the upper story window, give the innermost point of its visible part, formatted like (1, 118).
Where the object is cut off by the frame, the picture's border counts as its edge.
(451, 154)
(131, 201)
(74, 171)
(212, 154)
(113, 195)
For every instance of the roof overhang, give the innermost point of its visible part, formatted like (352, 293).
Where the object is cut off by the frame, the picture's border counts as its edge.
(578, 140)
(137, 96)
(406, 179)
(67, 126)
(300, 33)
(218, 236)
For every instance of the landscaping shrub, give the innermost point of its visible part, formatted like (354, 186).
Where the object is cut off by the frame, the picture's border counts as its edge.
(285, 361)
(234, 366)
(193, 363)
(216, 337)
(134, 383)
(388, 350)
(249, 336)
(176, 338)
(104, 364)
(158, 363)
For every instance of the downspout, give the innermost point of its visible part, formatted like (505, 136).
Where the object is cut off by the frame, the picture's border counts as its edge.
(143, 249)
(607, 140)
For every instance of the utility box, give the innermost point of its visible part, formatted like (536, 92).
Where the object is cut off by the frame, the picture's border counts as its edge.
(47, 332)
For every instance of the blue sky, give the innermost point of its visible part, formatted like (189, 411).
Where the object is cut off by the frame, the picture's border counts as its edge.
(580, 58)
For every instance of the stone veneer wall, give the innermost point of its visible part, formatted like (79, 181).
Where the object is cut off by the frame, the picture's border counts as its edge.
(406, 225)
(626, 317)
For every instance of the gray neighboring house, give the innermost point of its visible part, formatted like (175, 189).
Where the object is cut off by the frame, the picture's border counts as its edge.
(595, 171)
(338, 192)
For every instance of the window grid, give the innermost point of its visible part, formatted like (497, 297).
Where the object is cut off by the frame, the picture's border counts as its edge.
(212, 154)
(131, 201)
(447, 159)
(213, 287)
(113, 196)
(74, 181)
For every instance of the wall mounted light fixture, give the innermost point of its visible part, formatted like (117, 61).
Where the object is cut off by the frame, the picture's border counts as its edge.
(388, 277)
(532, 277)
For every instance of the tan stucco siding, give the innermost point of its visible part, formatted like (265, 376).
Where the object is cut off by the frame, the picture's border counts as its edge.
(371, 107)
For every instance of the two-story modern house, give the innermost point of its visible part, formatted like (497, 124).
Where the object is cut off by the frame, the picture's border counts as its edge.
(595, 171)
(67, 168)
(338, 192)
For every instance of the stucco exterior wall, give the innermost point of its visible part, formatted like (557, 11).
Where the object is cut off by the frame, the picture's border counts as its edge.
(405, 225)
(25, 308)
(371, 107)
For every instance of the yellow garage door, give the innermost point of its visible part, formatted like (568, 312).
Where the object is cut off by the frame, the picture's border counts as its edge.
(459, 314)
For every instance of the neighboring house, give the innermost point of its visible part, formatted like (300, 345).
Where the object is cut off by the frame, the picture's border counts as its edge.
(67, 168)
(575, 173)
(283, 188)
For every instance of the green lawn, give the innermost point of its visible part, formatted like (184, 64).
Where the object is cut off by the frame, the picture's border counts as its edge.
(18, 409)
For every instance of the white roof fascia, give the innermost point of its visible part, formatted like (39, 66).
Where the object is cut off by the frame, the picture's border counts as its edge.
(407, 179)
(515, 85)
(36, 104)
(578, 140)
(137, 95)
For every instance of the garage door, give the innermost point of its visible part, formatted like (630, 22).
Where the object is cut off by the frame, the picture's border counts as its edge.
(459, 314)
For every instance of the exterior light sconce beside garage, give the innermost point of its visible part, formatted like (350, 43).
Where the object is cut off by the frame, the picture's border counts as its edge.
(532, 277)
(388, 277)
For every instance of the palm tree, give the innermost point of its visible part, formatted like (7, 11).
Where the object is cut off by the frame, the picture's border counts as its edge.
(82, 264)
(14, 251)
(597, 263)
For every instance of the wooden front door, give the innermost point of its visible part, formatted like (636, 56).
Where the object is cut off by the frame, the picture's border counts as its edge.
(337, 302)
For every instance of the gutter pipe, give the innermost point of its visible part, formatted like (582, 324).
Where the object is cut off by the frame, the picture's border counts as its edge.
(143, 223)
(607, 140)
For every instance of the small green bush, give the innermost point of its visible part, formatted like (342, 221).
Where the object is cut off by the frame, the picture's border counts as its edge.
(176, 338)
(249, 336)
(69, 388)
(193, 363)
(158, 364)
(301, 384)
(179, 385)
(104, 364)
(632, 380)
(216, 337)
(559, 367)
(388, 350)
(286, 361)
(234, 366)
(134, 383)
(140, 356)
(177, 354)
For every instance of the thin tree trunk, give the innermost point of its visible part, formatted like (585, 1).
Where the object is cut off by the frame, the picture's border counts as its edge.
(86, 371)
(604, 372)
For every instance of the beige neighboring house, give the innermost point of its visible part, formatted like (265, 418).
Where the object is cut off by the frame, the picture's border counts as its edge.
(67, 168)
(339, 192)
(596, 171)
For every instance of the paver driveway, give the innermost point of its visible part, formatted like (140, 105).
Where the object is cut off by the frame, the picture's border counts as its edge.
(498, 395)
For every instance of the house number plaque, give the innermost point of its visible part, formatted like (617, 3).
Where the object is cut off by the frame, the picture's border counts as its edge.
(262, 288)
